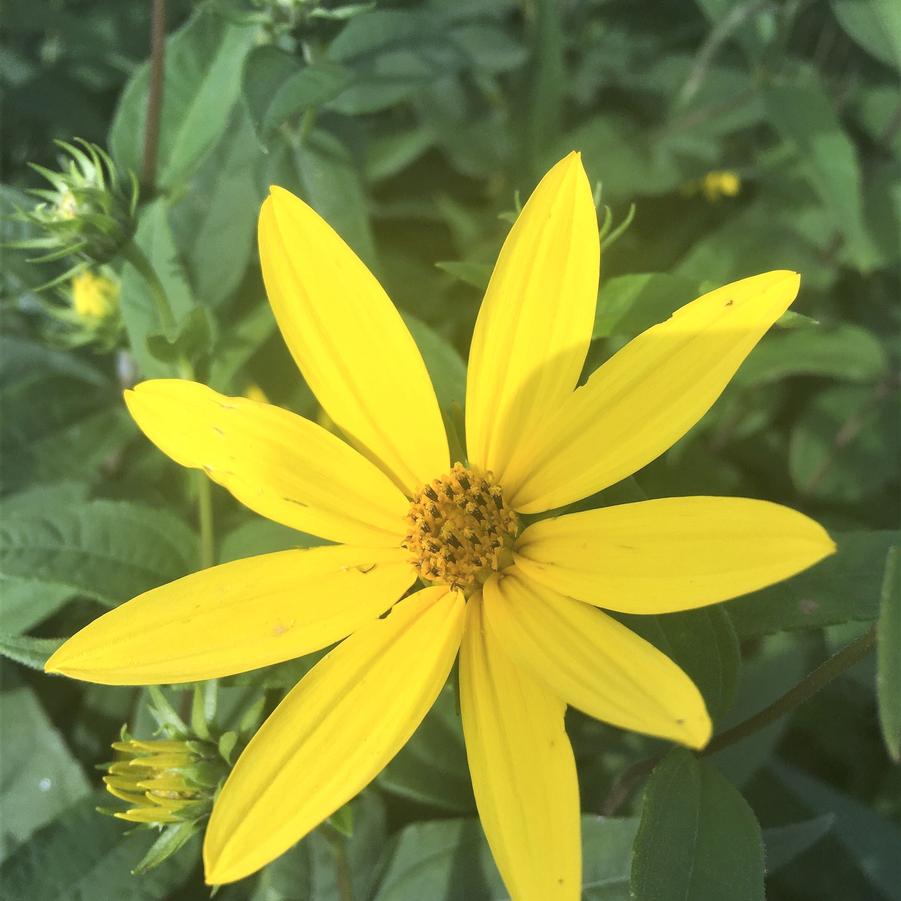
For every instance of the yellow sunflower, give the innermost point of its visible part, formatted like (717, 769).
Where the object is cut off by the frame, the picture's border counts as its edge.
(519, 601)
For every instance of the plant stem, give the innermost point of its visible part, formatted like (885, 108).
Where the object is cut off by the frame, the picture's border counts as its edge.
(805, 689)
(155, 93)
(205, 516)
(136, 257)
(794, 697)
(342, 867)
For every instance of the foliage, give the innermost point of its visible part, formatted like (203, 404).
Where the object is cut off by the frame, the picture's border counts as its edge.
(414, 128)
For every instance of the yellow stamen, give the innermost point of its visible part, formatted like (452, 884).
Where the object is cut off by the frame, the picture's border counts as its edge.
(459, 528)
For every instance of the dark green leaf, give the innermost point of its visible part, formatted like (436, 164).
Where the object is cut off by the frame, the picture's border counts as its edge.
(85, 856)
(839, 445)
(215, 224)
(629, 304)
(139, 311)
(872, 840)
(449, 859)
(323, 173)
(278, 88)
(192, 339)
(803, 114)
(698, 838)
(108, 550)
(842, 588)
(431, 768)
(889, 654)
(446, 368)
(845, 352)
(785, 843)
(38, 775)
(703, 642)
(475, 274)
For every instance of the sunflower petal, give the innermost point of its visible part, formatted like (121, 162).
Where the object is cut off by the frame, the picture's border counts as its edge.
(523, 772)
(333, 733)
(647, 396)
(237, 617)
(535, 322)
(593, 662)
(350, 343)
(670, 554)
(280, 465)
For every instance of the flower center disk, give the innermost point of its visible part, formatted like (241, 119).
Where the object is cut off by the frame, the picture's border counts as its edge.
(460, 530)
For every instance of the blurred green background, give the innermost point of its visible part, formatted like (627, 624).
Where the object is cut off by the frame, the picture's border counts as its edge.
(748, 135)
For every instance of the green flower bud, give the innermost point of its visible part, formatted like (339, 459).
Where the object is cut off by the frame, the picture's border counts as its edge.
(87, 214)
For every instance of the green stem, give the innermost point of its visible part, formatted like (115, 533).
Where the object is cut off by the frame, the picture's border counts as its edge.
(205, 515)
(342, 866)
(794, 697)
(136, 257)
(805, 689)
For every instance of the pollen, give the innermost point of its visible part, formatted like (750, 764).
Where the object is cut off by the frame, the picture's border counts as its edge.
(459, 529)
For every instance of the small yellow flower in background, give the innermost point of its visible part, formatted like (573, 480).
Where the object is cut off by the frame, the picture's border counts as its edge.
(720, 184)
(521, 601)
(94, 296)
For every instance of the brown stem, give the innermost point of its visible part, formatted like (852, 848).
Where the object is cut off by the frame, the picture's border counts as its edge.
(155, 93)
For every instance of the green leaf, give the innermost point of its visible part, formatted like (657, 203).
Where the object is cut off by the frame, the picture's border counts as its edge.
(192, 339)
(803, 114)
(870, 839)
(446, 368)
(107, 550)
(449, 859)
(875, 25)
(22, 361)
(839, 445)
(57, 428)
(262, 536)
(139, 312)
(322, 172)
(85, 856)
(475, 274)
(237, 344)
(698, 838)
(845, 352)
(310, 869)
(277, 87)
(29, 651)
(629, 304)
(703, 642)
(38, 775)
(888, 655)
(24, 604)
(215, 223)
(785, 843)
(431, 768)
(200, 87)
(844, 587)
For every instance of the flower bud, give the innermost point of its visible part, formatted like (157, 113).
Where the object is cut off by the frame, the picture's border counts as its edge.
(89, 211)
